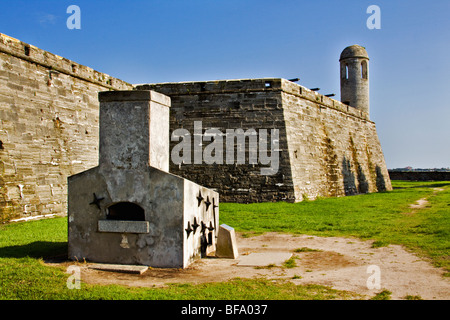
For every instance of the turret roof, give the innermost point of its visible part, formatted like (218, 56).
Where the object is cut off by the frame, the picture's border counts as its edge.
(354, 51)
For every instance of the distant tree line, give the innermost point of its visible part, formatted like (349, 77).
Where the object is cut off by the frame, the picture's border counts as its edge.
(410, 169)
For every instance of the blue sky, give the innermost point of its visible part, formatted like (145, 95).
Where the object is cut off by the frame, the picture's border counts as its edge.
(178, 40)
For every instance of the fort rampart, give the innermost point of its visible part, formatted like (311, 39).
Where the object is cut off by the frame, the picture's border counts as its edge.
(326, 148)
(49, 130)
(48, 126)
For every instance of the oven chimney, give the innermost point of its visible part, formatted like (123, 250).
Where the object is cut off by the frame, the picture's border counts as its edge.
(134, 129)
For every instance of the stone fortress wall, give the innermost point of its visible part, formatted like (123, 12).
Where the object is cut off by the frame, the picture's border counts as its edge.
(49, 131)
(48, 126)
(327, 148)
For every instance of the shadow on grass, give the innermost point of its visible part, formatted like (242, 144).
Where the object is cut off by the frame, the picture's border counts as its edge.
(39, 249)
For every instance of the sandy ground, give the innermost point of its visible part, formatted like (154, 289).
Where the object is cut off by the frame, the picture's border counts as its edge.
(340, 263)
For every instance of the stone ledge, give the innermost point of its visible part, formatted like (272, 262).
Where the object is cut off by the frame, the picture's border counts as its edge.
(134, 95)
(120, 268)
(121, 226)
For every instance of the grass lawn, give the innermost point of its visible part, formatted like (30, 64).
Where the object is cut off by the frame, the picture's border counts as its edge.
(384, 217)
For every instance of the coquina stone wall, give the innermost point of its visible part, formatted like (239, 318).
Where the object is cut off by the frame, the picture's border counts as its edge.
(49, 131)
(334, 148)
(232, 104)
(326, 148)
(48, 126)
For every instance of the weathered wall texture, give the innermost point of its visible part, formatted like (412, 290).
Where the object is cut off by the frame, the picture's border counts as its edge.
(334, 149)
(233, 104)
(326, 147)
(48, 126)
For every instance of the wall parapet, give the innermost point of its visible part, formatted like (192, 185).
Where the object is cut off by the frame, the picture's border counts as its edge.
(307, 94)
(252, 85)
(55, 63)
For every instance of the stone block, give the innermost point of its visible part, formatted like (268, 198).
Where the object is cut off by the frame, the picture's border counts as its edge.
(226, 246)
(134, 133)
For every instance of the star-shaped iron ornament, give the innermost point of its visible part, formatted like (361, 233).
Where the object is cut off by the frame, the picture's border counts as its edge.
(207, 202)
(204, 227)
(214, 204)
(200, 198)
(189, 229)
(195, 225)
(96, 201)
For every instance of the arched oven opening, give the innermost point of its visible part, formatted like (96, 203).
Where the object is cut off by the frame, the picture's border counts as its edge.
(125, 211)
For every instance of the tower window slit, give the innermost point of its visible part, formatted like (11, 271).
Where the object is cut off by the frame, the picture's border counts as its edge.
(364, 70)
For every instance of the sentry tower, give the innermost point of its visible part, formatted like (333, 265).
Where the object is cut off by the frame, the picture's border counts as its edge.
(355, 77)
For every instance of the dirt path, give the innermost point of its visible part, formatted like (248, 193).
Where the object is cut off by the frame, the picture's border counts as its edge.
(340, 263)
(423, 203)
